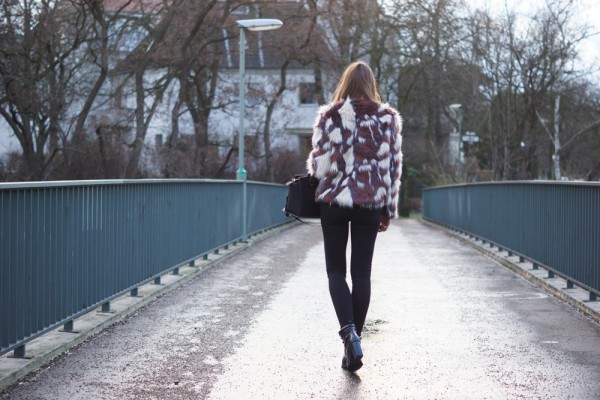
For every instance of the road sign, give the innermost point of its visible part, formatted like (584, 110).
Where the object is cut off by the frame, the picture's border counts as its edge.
(470, 137)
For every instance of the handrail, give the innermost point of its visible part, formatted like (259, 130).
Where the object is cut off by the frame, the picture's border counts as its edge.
(553, 224)
(102, 182)
(68, 247)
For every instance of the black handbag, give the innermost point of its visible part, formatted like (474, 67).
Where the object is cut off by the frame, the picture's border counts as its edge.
(300, 200)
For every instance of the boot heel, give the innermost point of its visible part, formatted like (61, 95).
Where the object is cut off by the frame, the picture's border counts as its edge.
(355, 356)
(353, 350)
(356, 349)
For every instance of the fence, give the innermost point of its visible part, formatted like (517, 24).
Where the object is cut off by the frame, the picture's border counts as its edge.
(70, 247)
(553, 224)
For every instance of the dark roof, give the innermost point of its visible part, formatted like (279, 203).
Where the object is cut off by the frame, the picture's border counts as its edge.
(264, 50)
(135, 6)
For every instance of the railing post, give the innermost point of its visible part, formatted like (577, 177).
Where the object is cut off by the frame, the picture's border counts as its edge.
(68, 327)
(19, 352)
(106, 308)
(569, 284)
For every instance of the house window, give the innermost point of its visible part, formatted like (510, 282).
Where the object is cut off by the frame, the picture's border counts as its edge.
(241, 10)
(254, 94)
(308, 93)
(118, 96)
(251, 144)
(158, 140)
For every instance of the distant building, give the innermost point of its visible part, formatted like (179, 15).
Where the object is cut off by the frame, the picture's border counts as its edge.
(114, 110)
(293, 115)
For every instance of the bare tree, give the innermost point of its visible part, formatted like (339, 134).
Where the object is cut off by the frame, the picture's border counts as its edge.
(38, 65)
(197, 73)
(524, 70)
(54, 62)
(345, 24)
(425, 44)
(572, 137)
(559, 34)
(194, 51)
(292, 53)
(148, 95)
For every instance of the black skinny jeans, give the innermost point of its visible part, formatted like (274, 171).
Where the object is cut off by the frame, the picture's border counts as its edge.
(364, 224)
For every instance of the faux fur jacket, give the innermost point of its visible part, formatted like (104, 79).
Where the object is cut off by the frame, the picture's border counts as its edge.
(356, 155)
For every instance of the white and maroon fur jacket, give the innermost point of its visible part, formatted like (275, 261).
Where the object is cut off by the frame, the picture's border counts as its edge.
(356, 155)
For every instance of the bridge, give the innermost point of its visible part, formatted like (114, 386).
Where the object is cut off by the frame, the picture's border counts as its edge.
(459, 311)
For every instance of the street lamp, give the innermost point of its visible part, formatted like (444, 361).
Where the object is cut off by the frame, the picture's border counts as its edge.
(457, 112)
(252, 25)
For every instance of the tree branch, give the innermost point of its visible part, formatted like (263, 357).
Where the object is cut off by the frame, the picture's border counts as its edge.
(588, 128)
(550, 135)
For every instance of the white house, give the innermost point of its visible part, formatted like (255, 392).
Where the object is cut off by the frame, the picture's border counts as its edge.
(293, 115)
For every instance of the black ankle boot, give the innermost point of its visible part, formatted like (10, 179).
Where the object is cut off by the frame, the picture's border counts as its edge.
(353, 352)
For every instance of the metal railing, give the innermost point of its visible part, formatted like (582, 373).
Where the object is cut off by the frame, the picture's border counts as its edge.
(69, 247)
(555, 225)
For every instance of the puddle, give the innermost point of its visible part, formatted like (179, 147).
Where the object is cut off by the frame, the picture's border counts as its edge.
(372, 326)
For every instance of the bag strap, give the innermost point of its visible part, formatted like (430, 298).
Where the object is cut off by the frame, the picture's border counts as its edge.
(287, 214)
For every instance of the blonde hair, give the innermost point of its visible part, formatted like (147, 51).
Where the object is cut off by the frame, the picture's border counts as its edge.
(357, 81)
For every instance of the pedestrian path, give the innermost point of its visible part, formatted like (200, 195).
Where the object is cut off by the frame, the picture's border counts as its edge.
(445, 322)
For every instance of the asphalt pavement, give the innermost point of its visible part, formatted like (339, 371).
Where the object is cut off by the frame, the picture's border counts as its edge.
(446, 322)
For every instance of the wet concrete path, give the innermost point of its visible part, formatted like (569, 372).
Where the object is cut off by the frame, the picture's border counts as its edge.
(445, 323)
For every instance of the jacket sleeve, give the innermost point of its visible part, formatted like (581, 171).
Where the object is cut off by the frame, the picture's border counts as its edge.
(395, 165)
(318, 159)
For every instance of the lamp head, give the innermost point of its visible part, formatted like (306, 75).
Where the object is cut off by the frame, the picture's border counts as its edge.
(261, 24)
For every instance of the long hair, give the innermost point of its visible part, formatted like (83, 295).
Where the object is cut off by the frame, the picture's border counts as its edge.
(357, 81)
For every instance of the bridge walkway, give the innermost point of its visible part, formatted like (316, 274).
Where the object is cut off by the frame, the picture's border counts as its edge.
(445, 322)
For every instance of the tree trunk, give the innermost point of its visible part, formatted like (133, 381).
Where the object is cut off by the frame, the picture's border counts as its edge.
(270, 109)
(319, 84)
(131, 170)
(201, 141)
(556, 155)
(99, 15)
(174, 136)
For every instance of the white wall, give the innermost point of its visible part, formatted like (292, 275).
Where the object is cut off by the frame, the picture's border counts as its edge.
(8, 141)
(224, 122)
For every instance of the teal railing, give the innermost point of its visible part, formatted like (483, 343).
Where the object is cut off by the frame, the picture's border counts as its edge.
(555, 225)
(69, 247)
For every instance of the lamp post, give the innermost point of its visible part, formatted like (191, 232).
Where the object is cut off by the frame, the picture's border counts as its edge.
(251, 25)
(457, 111)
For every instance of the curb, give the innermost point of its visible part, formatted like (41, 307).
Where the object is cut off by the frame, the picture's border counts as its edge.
(556, 286)
(47, 347)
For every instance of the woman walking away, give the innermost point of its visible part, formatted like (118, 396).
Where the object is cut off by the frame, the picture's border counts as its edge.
(356, 155)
